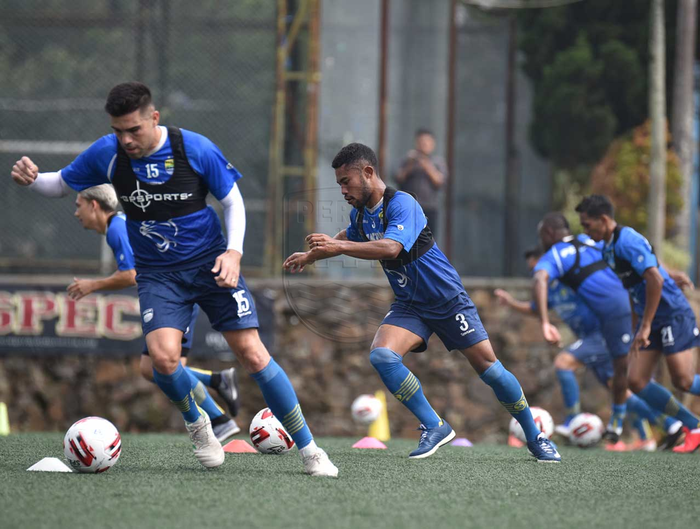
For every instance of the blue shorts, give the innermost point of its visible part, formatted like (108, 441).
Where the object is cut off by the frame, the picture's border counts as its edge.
(617, 333)
(679, 333)
(592, 352)
(187, 338)
(167, 300)
(459, 325)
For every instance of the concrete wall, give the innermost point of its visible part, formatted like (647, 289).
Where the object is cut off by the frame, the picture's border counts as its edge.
(417, 97)
(324, 347)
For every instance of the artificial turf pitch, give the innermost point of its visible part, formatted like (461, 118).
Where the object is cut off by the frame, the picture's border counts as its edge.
(158, 483)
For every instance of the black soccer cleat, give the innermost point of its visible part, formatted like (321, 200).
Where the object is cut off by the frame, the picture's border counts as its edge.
(228, 390)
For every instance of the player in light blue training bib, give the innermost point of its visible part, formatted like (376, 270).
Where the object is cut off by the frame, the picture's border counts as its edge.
(389, 226)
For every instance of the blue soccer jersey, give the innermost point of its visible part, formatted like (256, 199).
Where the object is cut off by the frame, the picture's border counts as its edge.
(633, 248)
(428, 282)
(601, 291)
(571, 309)
(179, 243)
(118, 241)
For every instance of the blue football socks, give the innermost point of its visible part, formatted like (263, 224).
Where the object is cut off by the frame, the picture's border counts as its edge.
(570, 393)
(202, 375)
(642, 410)
(695, 386)
(403, 385)
(178, 388)
(282, 400)
(661, 399)
(511, 396)
(642, 427)
(203, 399)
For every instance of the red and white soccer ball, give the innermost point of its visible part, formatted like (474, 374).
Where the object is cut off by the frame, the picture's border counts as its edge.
(586, 430)
(268, 435)
(365, 409)
(543, 420)
(92, 445)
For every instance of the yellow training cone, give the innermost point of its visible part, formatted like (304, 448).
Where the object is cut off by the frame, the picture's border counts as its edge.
(4, 420)
(379, 429)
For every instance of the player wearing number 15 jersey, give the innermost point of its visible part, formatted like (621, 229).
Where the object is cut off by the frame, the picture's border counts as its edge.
(390, 226)
(162, 177)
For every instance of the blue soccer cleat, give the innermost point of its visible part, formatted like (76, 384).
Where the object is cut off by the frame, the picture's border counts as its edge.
(431, 439)
(544, 450)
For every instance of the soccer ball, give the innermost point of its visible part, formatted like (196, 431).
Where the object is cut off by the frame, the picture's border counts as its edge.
(543, 420)
(268, 435)
(586, 430)
(92, 445)
(366, 409)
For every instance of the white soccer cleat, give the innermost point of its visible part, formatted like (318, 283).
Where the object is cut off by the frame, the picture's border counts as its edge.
(317, 463)
(563, 430)
(207, 448)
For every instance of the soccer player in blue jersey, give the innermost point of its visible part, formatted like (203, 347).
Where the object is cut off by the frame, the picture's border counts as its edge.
(666, 325)
(577, 263)
(96, 209)
(590, 351)
(390, 226)
(162, 177)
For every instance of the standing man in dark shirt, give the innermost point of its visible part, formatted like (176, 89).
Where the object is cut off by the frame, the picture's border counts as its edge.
(423, 174)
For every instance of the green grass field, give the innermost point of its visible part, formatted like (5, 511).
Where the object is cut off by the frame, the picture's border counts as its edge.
(158, 483)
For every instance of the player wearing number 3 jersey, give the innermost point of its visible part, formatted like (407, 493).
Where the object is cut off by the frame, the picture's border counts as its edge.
(162, 177)
(389, 226)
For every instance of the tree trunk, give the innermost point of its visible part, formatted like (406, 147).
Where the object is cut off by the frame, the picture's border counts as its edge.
(657, 111)
(683, 110)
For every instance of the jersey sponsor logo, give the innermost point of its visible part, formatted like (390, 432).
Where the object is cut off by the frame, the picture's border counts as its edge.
(149, 228)
(400, 227)
(142, 198)
(170, 166)
(402, 280)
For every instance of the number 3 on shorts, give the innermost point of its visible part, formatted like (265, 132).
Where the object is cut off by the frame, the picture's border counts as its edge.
(463, 323)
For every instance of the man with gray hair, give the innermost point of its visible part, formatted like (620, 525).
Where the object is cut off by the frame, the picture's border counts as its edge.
(96, 209)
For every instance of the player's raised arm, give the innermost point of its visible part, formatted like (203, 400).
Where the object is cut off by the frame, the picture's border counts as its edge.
(26, 173)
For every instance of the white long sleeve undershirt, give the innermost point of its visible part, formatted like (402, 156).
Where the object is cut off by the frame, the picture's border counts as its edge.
(234, 219)
(50, 185)
(53, 185)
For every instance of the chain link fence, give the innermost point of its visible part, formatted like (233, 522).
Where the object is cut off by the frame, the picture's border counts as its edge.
(210, 65)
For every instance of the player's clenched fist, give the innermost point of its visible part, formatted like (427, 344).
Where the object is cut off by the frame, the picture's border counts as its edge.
(24, 172)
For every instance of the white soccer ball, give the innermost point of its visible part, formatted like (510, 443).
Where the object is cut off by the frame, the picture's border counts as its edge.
(543, 420)
(92, 445)
(268, 435)
(366, 409)
(586, 430)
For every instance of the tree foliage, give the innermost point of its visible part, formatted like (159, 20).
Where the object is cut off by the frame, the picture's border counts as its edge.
(588, 63)
(623, 175)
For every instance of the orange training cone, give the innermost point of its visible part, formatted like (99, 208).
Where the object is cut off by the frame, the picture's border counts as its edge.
(239, 446)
